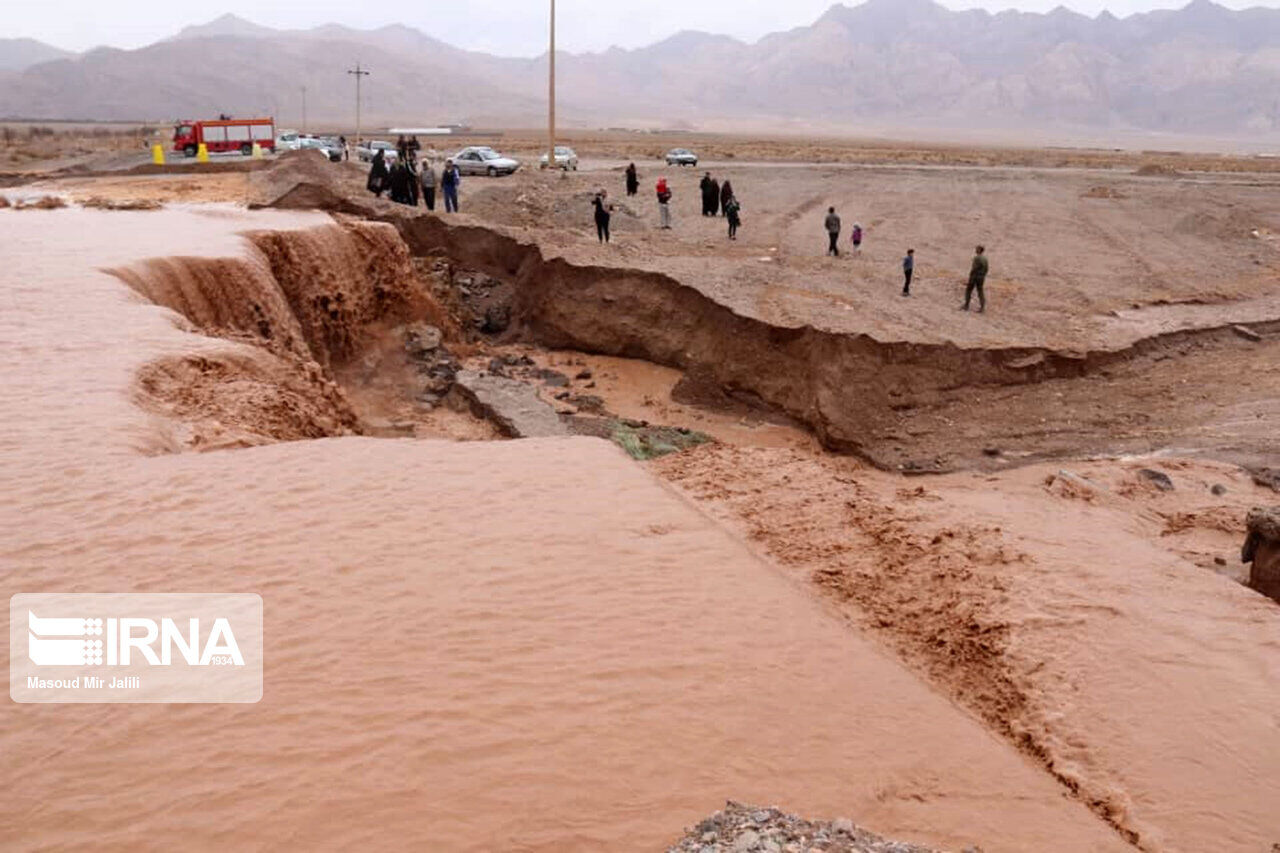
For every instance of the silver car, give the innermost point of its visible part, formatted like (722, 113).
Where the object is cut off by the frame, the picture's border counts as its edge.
(326, 146)
(566, 158)
(366, 151)
(483, 160)
(681, 157)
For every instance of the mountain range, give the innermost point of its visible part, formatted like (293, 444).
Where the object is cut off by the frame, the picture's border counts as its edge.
(1202, 69)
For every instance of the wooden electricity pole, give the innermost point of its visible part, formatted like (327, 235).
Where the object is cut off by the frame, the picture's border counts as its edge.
(358, 72)
(551, 90)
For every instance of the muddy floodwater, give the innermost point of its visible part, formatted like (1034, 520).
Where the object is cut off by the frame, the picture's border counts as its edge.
(527, 645)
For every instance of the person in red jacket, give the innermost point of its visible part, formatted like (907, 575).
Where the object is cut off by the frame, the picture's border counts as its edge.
(664, 203)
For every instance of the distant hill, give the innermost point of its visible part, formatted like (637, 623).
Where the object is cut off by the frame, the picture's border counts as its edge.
(20, 54)
(1202, 69)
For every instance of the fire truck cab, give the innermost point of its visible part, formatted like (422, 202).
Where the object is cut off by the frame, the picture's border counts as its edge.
(237, 134)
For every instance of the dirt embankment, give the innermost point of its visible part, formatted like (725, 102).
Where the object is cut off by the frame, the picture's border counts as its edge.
(856, 393)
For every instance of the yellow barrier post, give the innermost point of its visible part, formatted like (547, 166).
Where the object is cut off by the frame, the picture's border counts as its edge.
(257, 151)
(157, 154)
(202, 153)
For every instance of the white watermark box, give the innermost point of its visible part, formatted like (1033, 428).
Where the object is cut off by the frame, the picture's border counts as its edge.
(135, 647)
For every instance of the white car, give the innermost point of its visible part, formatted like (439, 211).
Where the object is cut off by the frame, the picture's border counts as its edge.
(566, 158)
(681, 157)
(325, 145)
(368, 150)
(288, 140)
(483, 160)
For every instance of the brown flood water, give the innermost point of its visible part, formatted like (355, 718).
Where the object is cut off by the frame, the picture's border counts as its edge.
(487, 646)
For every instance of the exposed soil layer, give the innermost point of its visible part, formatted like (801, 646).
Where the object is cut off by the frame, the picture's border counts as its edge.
(914, 407)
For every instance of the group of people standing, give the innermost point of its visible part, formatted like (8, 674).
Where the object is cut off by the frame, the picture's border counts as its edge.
(978, 269)
(715, 196)
(405, 181)
(833, 225)
(717, 199)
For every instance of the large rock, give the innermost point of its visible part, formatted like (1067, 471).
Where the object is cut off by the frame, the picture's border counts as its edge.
(1262, 549)
(514, 407)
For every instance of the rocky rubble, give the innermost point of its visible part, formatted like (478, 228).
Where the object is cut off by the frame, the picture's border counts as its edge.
(741, 828)
(435, 366)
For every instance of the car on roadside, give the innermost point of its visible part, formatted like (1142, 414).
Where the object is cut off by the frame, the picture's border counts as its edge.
(566, 158)
(366, 151)
(483, 160)
(681, 157)
(330, 148)
(288, 140)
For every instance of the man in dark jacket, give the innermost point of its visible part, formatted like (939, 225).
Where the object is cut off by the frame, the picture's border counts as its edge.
(450, 180)
(977, 278)
(633, 180)
(832, 224)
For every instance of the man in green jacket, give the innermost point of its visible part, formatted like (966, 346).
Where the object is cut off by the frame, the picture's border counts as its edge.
(977, 278)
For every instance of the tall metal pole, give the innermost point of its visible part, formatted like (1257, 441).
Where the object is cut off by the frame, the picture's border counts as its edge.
(551, 89)
(358, 72)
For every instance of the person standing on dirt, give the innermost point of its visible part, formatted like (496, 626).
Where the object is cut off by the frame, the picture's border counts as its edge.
(378, 174)
(726, 193)
(346, 152)
(427, 177)
(404, 184)
(908, 270)
(450, 180)
(402, 148)
(412, 168)
(603, 214)
(633, 180)
(855, 237)
(664, 204)
(705, 186)
(731, 212)
(832, 224)
(415, 148)
(977, 278)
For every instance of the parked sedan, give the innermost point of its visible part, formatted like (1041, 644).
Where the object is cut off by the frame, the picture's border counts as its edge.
(328, 147)
(681, 157)
(368, 150)
(566, 158)
(288, 140)
(483, 160)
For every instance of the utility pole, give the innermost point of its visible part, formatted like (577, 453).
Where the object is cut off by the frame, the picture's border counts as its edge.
(304, 109)
(358, 72)
(551, 88)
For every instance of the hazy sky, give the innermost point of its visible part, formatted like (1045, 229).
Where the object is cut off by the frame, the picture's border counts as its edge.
(513, 27)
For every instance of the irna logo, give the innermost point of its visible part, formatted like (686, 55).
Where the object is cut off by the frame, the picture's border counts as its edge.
(90, 641)
(135, 647)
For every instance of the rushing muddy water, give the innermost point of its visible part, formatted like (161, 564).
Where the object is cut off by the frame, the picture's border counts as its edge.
(515, 645)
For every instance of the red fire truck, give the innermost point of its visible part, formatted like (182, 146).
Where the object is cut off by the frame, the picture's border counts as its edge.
(236, 134)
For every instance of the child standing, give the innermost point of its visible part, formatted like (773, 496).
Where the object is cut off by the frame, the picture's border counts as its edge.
(731, 209)
(857, 237)
(908, 269)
